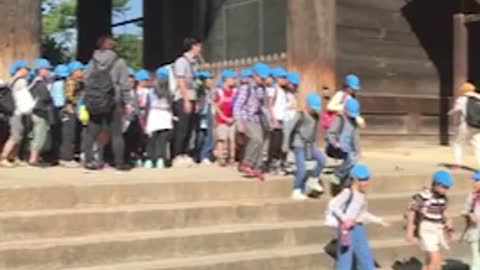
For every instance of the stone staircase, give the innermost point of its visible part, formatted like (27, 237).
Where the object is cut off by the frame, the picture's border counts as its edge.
(194, 223)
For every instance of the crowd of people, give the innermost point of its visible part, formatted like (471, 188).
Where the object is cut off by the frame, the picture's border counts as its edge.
(106, 114)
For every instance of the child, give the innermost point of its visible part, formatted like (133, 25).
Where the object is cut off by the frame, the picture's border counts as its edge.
(471, 213)
(159, 121)
(301, 135)
(43, 112)
(136, 132)
(464, 132)
(427, 219)
(350, 208)
(71, 126)
(225, 129)
(343, 140)
(352, 86)
(205, 140)
(277, 105)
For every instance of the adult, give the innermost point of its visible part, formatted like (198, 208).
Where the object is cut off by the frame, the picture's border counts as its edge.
(24, 104)
(104, 102)
(185, 100)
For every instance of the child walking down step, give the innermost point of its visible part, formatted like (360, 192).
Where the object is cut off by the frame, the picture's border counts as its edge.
(350, 209)
(471, 212)
(428, 222)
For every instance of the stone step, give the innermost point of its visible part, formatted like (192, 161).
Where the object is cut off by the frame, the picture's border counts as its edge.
(308, 257)
(25, 225)
(97, 193)
(102, 249)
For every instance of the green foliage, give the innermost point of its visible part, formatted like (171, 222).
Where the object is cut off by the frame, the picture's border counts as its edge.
(130, 48)
(58, 25)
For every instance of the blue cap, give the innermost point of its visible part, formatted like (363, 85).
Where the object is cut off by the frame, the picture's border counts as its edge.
(352, 81)
(443, 178)
(293, 78)
(352, 106)
(41, 63)
(18, 64)
(131, 72)
(247, 72)
(228, 73)
(476, 176)
(162, 73)
(142, 75)
(62, 71)
(314, 101)
(262, 70)
(75, 65)
(361, 172)
(204, 75)
(279, 72)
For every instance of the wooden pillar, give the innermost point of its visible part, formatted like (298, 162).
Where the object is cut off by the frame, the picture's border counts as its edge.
(94, 19)
(311, 43)
(20, 32)
(460, 52)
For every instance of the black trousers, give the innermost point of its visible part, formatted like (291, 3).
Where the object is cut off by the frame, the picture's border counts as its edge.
(70, 135)
(157, 145)
(275, 147)
(184, 128)
(113, 123)
(135, 141)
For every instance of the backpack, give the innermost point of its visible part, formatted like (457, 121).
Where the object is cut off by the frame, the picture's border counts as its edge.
(330, 219)
(329, 116)
(7, 103)
(473, 112)
(100, 90)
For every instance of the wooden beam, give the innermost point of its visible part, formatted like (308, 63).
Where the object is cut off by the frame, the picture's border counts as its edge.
(94, 19)
(311, 43)
(460, 52)
(20, 28)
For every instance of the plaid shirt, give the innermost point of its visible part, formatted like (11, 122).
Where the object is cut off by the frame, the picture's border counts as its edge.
(248, 110)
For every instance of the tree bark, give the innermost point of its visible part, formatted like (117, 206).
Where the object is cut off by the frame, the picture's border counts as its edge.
(20, 32)
(94, 19)
(311, 43)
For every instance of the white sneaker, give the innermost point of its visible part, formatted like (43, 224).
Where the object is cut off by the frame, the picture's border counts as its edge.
(313, 184)
(206, 162)
(179, 162)
(297, 195)
(189, 162)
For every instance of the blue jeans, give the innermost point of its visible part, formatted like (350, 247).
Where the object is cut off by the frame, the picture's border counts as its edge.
(359, 248)
(342, 171)
(300, 163)
(205, 140)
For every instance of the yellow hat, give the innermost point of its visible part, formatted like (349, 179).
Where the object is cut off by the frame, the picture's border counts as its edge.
(467, 87)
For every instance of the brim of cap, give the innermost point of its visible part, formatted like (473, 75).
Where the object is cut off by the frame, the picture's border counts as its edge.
(315, 108)
(353, 114)
(355, 87)
(62, 74)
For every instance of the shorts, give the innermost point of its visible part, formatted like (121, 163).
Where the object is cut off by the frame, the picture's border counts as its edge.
(16, 128)
(225, 132)
(432, 236)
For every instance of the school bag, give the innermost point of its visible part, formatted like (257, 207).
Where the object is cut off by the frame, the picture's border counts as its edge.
(7, 104)
(473, 112)
(330, 219)
(328, 117)
(100, 90)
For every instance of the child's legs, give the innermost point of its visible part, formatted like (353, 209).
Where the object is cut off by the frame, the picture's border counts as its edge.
(162, 144)
(231, 142)
(342, 172)
(361, 249)
(475, 264)
(301, 172)
(152, 146)
(40, 131)
(320, 159)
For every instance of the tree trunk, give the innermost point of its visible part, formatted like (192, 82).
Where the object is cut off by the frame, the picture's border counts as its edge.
(94, 19)
(311, 43)
(20, 28)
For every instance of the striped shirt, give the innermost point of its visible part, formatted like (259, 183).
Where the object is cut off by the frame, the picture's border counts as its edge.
(431, 206)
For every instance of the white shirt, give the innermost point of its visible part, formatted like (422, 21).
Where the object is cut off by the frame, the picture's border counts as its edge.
(280, 101)
(290, 107)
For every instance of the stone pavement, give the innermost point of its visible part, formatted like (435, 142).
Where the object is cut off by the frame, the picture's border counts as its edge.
(202, 218)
